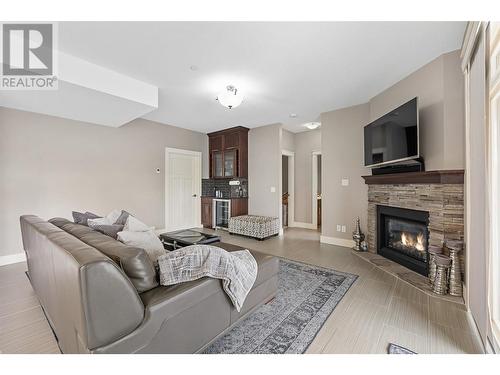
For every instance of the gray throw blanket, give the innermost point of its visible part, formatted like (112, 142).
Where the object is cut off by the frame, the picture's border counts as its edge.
(237, 269)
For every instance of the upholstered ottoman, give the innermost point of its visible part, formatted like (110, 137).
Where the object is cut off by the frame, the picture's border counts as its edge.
(259, 227)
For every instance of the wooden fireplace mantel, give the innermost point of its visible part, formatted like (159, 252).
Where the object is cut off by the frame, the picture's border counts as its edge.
(455, 176)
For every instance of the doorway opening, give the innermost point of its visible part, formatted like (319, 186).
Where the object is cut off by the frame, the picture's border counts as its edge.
(316, 189)
(287, 188)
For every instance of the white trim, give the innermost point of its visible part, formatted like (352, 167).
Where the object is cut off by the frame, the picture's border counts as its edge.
(11, 259)
(298, 224)
(198, 168)
(314, 193)
(336, 241)
(291, 188)
(467, 184)
(469, 42)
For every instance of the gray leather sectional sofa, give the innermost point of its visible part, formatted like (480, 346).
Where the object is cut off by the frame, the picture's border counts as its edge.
(101, 296)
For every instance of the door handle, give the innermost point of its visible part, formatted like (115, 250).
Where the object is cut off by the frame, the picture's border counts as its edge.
(194, 195)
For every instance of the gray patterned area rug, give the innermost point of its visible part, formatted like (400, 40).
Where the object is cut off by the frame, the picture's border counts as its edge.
(306, 297)
(397, 349)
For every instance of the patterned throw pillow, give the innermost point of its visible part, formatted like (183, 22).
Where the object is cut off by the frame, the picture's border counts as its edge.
(109, 230)
(82, 218)
(109, 219)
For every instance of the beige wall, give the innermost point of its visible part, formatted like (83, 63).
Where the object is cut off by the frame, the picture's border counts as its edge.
(477, 191)
(264, 170)
(50, 166)
(342, 157)
(439, 87)
(454, 112)
(305, 143)
(287, 140)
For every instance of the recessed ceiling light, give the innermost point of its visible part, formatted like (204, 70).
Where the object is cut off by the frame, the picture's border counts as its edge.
(293, 115)
(193, 68)
(312, 125)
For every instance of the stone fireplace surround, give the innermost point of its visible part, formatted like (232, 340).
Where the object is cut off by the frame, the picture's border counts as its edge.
(441, 193)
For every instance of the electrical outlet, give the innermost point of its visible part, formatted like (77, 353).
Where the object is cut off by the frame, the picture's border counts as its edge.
(338, 228)
(343, 228)
(273, 189)
(345, 182)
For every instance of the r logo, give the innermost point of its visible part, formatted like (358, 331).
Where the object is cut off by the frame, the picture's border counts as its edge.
(27, 49)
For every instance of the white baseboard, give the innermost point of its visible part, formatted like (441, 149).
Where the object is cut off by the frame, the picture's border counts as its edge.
(336, 241)
(14, 258)
(298, 224)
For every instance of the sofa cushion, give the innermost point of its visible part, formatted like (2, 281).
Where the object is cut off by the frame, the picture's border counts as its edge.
(134, 261)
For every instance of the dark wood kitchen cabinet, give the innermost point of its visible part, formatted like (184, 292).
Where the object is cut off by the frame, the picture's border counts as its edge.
(239, 206)
(228, 150)
(206, 212)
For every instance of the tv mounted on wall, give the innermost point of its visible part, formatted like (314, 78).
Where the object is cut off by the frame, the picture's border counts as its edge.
(393, 138)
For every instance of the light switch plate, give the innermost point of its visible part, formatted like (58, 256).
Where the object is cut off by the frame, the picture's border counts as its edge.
(343, 228)
(345, 182)
(338, 228)
(273, 189)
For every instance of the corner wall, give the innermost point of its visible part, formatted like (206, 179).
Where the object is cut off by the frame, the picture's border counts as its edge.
(50, 166)
(342, 157)
(305, 143)
(264, 170)
(440, 88)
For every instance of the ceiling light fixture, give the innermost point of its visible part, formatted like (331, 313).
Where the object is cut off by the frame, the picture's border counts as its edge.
(312, 125)
(230, 98)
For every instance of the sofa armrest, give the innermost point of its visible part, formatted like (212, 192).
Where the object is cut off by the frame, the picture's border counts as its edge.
(112, 307)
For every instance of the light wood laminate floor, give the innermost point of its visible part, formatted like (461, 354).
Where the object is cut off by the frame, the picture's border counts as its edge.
(377, 310)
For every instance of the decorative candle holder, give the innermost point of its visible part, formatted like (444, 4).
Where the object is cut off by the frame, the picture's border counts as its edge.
(433, 250)
(443, 263)
(454, 248)
(357, 236)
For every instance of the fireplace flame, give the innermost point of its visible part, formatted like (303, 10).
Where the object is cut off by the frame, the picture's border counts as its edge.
(420, 242)
(408, 240)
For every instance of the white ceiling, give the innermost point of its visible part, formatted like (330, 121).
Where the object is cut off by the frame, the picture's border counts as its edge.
(282, 67)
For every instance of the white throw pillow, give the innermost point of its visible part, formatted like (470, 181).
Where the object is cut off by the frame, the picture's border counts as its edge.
(113, 216)
(146, 240)
(135, 225)
(109, 219)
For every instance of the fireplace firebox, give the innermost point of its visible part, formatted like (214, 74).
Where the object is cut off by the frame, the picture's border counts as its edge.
(403, 237)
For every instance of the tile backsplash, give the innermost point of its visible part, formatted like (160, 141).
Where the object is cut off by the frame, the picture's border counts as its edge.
(209, 186)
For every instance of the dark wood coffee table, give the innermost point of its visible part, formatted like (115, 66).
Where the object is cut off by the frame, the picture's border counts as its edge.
(186, 237)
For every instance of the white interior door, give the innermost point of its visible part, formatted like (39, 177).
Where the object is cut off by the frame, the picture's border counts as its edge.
(182, 189)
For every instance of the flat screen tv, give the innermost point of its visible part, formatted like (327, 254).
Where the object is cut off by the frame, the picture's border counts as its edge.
(393, 137)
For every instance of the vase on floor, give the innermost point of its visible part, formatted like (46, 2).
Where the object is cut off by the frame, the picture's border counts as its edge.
(443, 263)
(455, 274)
(433, 250)
(357, 236)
